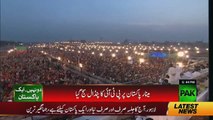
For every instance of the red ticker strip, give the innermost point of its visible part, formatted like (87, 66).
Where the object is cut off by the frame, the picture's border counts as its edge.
(83, 108)
(110, 93)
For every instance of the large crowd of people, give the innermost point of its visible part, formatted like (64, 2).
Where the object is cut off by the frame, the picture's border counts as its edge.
(33, 68)
(118, 66)
(54, 64)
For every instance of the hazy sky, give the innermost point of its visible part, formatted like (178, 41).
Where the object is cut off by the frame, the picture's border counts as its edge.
(113, 20)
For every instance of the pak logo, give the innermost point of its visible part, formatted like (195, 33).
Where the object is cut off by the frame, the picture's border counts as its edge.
(187, 91)
(186, 108)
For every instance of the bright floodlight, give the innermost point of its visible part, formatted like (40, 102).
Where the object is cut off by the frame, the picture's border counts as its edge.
(180, 54)
(113, 55)
(93, 53)
(142, 53)
(129, 57)
(141, 60)
(80, 65)
(59, 58)
(101, 54)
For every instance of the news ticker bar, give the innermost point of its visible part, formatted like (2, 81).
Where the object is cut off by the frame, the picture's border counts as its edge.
(186, 91)
(95, 93)
(109, 108)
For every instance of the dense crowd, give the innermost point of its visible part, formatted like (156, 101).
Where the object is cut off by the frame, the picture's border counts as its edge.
(117, 68)
(33, 68)
(52, 65)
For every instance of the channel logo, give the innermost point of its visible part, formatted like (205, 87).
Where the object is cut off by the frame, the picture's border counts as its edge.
(187, 91)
